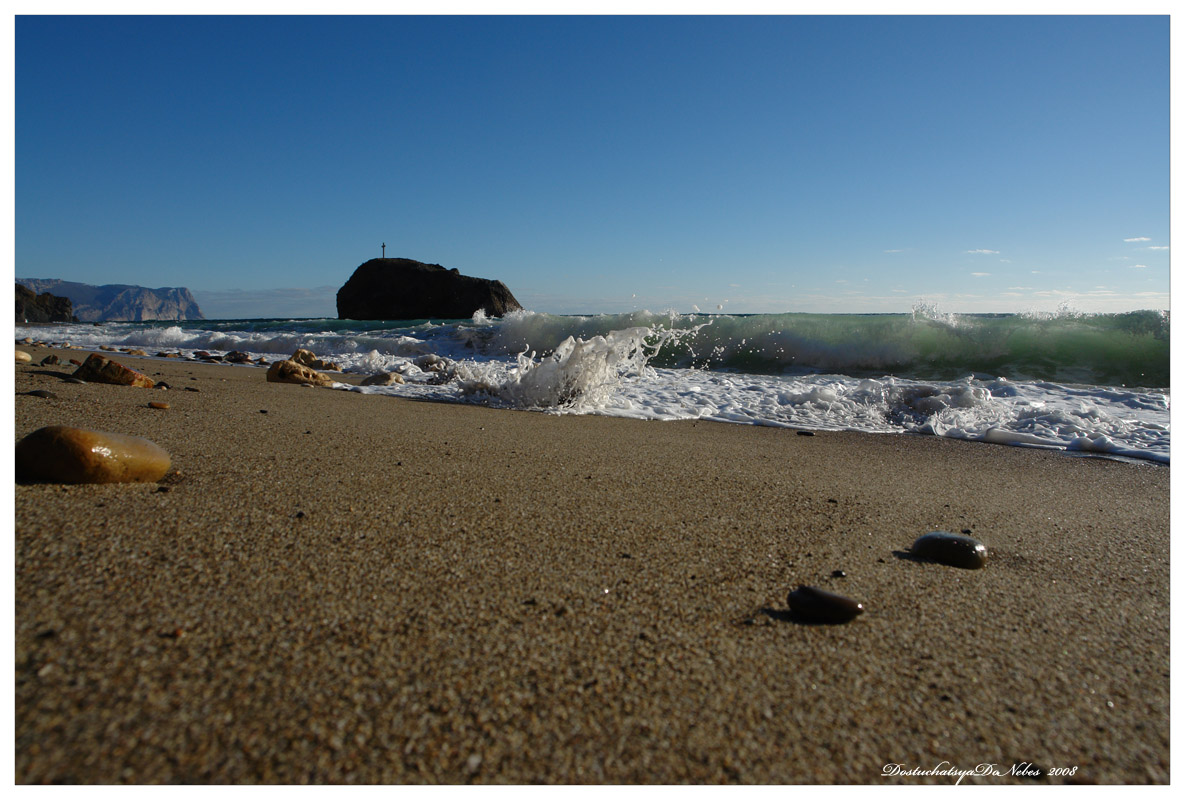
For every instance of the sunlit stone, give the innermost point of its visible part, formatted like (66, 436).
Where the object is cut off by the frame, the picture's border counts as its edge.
(59, 454)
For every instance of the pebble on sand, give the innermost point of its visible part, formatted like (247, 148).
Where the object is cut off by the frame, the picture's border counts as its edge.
(291, 372)
(60, 454)
(98, 369)
(158, 404)
(309, 359)
(383, 379)
(811, 604)
(45, 393)
(50, 360)
(952, 549)
(22, 357)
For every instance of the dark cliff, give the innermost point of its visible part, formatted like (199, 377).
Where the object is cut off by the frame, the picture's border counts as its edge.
(120, 301)
(43, 307)
(401, 288)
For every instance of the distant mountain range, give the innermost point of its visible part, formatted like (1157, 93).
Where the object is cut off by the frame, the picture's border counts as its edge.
(118, 301)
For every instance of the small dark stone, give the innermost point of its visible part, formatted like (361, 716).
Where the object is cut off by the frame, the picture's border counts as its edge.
(50, 360)
(192, 389)
(263, 411)
(806, 433)
(162, 385)
(838, 573)
(300, 515)
(952, 549)
(42, 393)
(811, 604)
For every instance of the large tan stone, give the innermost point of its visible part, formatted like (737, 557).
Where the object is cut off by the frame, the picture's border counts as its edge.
(59, 454)
(98, 369)
(383, 379)
(309, 359)
(291, 372)
(22, 357)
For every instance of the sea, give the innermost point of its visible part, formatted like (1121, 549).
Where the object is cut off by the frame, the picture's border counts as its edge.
(1079, 383)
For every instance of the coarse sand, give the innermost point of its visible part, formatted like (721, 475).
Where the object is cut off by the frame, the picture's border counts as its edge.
(336, 587)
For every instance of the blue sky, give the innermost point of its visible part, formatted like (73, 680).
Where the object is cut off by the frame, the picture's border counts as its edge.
(599, 164)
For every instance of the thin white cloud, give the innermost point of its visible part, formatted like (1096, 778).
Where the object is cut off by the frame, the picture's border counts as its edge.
(1138, 266)
(980, 274)
(1158, 247)
(894, 251)
(1138, 239)
(982, 252)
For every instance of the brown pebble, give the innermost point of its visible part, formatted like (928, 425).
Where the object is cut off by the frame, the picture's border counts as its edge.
(22, 357)
(59, 454)
(76, 362)
(952, 549)
(158, 404)
(50, 360)
(292, 372)
(98, 369)
(811, 604)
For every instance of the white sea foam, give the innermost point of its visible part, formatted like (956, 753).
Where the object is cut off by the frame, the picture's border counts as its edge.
(586, 365)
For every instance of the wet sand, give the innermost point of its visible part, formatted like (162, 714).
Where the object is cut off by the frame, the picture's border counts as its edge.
(353, 588)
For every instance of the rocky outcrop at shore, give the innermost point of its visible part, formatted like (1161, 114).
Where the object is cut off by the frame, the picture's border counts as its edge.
(120, 301)
(44, 307)
(401, 288)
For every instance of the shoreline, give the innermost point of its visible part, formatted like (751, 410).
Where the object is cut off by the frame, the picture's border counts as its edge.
(360, 588)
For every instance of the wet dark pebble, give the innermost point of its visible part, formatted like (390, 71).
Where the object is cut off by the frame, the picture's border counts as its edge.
(838, 573)
(192, 389)
(162, 385)
(50, 360)
(952, 549)
(41, 393)
(72, 379)
(811, 604)
(806, 433)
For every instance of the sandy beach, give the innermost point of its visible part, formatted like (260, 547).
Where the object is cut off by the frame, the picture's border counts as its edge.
(335, 587)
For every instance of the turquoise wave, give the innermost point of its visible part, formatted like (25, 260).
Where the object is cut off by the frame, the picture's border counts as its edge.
(1130, 349)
